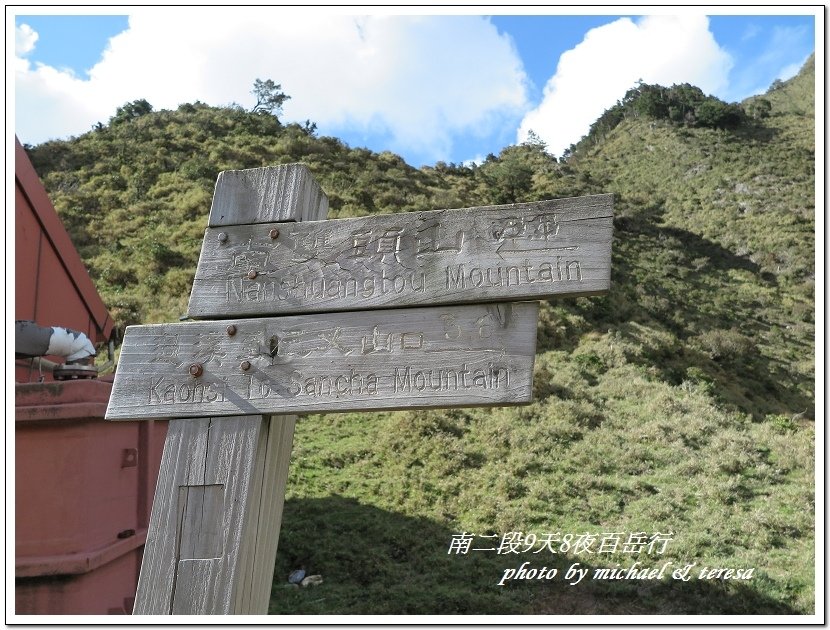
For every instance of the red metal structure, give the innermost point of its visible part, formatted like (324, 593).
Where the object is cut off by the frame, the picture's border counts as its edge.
(52, 286)
(83, 486)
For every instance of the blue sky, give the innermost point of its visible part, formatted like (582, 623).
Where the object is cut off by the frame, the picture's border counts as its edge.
(429, 87)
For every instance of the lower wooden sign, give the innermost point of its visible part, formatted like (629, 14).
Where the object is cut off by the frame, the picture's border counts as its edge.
(472, 355)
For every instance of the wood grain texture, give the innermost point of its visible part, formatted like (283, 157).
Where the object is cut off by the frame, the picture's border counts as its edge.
(209, 556)
(473, 355)
(262, 195)
(197, 453)
(214, 529)
(266, 506)
(524, 251)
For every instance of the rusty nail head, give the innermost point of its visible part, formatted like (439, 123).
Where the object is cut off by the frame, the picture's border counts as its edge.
(252, 274)
(245, 365)
(223, 237)
(195, 369)
(273, 233)
(231, 330)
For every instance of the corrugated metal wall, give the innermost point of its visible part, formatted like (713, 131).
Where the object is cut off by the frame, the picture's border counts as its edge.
(83, 486)
(52, 286)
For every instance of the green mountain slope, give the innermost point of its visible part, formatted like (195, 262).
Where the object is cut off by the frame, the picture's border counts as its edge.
(681, 403)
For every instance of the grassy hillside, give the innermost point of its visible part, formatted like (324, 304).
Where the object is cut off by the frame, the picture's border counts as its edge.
(679, 404)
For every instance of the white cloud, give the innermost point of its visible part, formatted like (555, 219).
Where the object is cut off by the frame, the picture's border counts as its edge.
(592, 76)
(752, 31)
(421, 80)
(24, 39)
(49, 104)
(788, 72)
(771, 60)
(786, 40)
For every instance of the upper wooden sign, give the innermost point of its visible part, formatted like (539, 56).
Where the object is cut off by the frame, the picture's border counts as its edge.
(496, 253)
(448, 356)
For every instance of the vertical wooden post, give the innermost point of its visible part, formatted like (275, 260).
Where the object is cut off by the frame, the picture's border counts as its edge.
(216, 515)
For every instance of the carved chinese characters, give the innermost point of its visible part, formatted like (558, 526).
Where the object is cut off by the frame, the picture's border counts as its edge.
(422, 357)
(522, 251)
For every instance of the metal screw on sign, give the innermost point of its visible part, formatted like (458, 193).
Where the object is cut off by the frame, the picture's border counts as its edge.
(234, 423)
(205, 556)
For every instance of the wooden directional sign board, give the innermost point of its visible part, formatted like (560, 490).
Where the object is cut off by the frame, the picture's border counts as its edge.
(411, 310)
(447, 356)
(522, 251)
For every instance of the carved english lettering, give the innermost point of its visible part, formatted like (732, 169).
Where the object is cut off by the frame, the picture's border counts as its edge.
(462, 277)
(166, 391)
(406, 380)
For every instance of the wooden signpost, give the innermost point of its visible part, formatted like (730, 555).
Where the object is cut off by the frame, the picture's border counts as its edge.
(385, 312)
(423, 357)
(474, 255)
